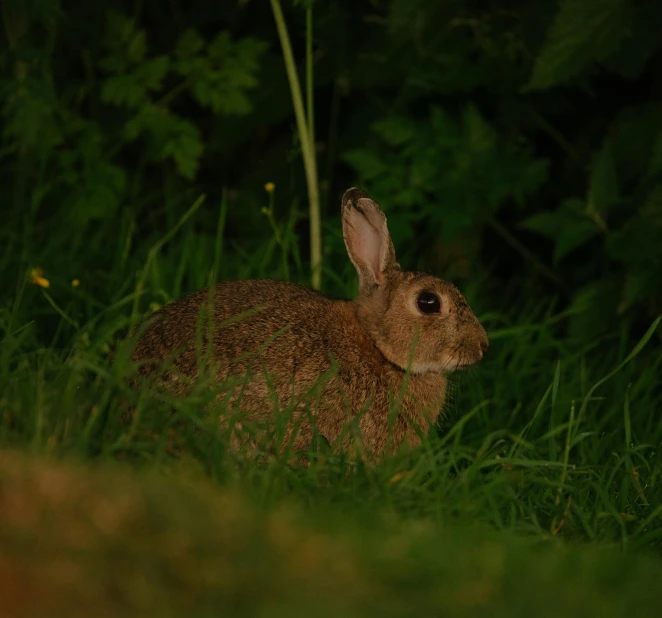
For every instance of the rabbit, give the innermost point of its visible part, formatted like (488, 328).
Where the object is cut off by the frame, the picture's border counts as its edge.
(369, 373)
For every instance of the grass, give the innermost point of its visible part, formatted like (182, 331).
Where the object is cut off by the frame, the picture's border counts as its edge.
(105, 543)
(541, 494)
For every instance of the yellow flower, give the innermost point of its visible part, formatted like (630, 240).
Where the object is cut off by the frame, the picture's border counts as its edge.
(75, 283)
(269, 187)
(37, 278)
(399, 475)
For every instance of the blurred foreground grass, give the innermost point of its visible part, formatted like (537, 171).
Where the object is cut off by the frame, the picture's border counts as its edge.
(90, 541)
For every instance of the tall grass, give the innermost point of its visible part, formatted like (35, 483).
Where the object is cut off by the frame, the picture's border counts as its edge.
(546, 440)
(305, 120)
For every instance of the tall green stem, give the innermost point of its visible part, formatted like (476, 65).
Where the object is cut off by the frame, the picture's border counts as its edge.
(310, 103)
(304, 127)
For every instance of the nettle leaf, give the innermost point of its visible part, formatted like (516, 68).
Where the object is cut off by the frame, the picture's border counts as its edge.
(638, 241)
(573, 235)
(545, 223)
(568, 227)
(584, 32)
(633, 139)
(367, 162)
(445, 131)
(644, 40)
(592, 307)
(655, 164)
(487, 170)
(395, 130)
(652, 207)
(603, 184)
(525, 173)
(401, 224)
(478, 134)
(640, 285)
(637, 244)
(456, 170)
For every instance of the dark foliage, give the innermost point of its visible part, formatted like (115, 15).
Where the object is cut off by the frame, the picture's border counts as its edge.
(518, 138)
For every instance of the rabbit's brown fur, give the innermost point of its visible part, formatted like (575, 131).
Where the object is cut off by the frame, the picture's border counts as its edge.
(362, 348)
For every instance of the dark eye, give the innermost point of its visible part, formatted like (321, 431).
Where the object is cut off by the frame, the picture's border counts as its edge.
(428, 302)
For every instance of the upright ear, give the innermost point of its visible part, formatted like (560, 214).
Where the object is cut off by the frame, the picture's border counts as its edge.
(367, 239)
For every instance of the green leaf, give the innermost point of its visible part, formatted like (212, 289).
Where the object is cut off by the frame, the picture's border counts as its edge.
(652, 206)
(367, 162)
(123, 90)
(131, 74)
(126, 43)
(638, 241)
(479, 136)
(29, 114)
(460, 164)
(655, 164)
(153, 72)
(640, 284)
(168, 137)
(44, 11)
(644, 40)
(545, 223)
(584, 32)
(190, 44)
(573, 236)
(395, 130)
(221, 75)
(131, 88)
(633, 137)
(568, 227)
(99, 192)
(184, 146)
(603, 183)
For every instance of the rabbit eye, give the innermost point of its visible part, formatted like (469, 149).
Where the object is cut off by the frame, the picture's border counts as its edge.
(428, 302)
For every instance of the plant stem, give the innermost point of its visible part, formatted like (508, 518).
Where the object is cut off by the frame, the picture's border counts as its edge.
(306, 138)
(556, 135)
(310, 109)
(527, 255)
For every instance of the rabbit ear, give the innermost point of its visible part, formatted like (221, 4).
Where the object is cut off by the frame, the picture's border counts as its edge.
(367, 239)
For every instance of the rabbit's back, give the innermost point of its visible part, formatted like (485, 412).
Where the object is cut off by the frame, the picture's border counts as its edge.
(278, 319)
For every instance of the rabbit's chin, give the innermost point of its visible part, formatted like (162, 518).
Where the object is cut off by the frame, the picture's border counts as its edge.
(445, 365)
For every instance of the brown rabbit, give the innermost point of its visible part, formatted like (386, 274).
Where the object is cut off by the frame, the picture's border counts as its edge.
(372, 368)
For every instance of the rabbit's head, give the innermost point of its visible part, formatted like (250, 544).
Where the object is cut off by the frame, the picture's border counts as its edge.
(406, 312)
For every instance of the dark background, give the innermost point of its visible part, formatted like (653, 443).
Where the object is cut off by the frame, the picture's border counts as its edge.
(516, 147)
